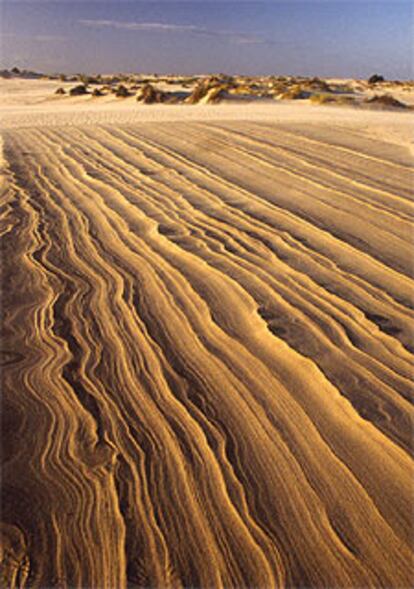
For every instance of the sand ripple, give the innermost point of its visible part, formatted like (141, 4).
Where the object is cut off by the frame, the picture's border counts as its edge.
(206, 356)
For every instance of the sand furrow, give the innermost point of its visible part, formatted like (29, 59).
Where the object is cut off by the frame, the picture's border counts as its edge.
(318, 173)
(292, 196)
(210, 377)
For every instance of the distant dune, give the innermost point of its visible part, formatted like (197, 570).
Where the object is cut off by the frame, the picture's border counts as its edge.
(207, 343)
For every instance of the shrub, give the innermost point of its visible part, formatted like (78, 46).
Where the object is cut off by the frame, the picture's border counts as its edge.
(150, 95)
(121, 91)
(385, 100)
(206, 86)
(78, 90)
(216, 94)
(60, 91)
(331, 99)
(375, 79)
(88, 79)
(321, 98)
(296, 92)
(345, 100)
(316, 84)
(97, 92)
(197, 94)
(244, 89)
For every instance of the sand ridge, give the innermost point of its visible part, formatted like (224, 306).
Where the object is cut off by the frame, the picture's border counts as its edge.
(207, 354)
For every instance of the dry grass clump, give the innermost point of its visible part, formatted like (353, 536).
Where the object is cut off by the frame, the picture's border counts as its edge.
(321, 98)
(215, 94)
(252, 89)
(210, 90)
(79, 90)
(344, 100)
(206, 95)
(385, 100)
(150, 95)
(242, 89)
(331, 99)
(379, 101)
(198, 93)
(187, 82)
(295, 92)
(343, 88)
(277, 89)
(122, 91)
(316, 85)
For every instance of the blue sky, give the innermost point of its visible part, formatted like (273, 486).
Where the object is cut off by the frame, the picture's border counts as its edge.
(310, 37)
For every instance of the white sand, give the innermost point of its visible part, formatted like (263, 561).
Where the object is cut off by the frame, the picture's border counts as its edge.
(32, 103)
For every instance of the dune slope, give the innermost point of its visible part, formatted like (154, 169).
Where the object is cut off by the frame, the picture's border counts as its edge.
(207, 359)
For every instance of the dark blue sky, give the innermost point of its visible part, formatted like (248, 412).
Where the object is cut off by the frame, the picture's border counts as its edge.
(310, 37)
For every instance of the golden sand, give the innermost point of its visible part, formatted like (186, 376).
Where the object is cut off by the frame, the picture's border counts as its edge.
(206, 348)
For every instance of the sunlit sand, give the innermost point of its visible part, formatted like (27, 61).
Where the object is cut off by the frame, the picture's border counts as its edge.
(207, 344)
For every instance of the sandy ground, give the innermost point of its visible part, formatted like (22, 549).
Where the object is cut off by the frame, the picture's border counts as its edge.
(207, 345)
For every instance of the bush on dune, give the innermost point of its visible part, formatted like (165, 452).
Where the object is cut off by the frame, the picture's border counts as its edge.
(215, 94)
(210, 90)
(385, 100)
(345, 100)
(122, 91)
(331, 99)
(374, 79)
(150, 95)
(245, 89)
(296, 92)
(79, 90)
(321, 98)
(89, 79)
(316, 84)
(197, 94)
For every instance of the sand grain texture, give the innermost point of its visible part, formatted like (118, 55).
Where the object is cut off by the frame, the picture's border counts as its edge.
(206, 355)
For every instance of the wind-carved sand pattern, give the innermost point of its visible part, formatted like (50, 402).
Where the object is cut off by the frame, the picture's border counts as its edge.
(206, 355)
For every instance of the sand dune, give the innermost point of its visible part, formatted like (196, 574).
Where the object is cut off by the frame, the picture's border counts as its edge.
(207, 356)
